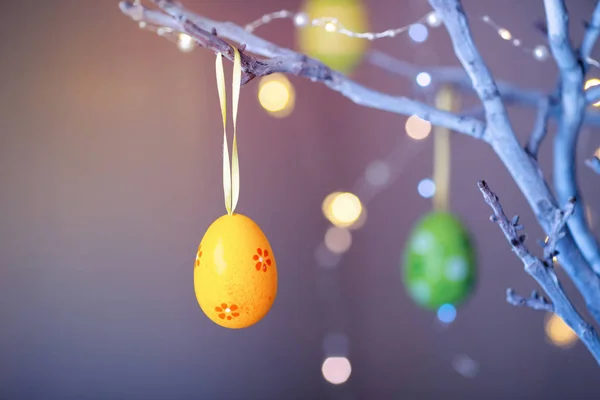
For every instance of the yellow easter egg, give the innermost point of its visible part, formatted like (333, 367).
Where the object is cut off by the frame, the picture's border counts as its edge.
(235, 275)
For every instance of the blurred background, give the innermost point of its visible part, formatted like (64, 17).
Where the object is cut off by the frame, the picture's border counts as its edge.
(110, 173)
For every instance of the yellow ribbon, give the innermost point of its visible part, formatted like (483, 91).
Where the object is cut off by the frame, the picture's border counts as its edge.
(444, 100)
(231, 175)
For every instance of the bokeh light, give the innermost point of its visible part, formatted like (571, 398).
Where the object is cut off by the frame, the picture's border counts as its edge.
(330, 27)
(326, 258)
(417, 128)
(276, 95)
(446, 313)
(504, 34)
(597, 152)
(426, 188)
(540, 53)
(433, 19)
(338, 240)
(360, 222)
(378, 173)
(465, 365)
(590, 83)
(418, 32)
(336, 370)
(559, 333)
(423, 79)
(185, 42)
(342, 209)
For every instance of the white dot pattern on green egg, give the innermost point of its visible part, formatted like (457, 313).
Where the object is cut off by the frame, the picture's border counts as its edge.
(439, 261)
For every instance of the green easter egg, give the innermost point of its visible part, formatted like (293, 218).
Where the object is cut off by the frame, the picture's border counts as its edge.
(336, 50)
(439, 261)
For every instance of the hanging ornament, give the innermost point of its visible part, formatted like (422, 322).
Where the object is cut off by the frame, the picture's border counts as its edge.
(235, 275)
(439, 259)
(339, 52)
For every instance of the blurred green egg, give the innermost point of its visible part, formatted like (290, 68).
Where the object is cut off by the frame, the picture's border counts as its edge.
(439, 261)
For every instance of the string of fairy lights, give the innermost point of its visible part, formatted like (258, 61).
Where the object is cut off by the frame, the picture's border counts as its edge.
(346, 211)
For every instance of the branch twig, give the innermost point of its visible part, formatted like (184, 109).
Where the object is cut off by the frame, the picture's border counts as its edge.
(205, 32)
(594, 164)
(543, 272)
(535, 301)
(540, 128)
(591, 34)
(573, 105)
(521, 167)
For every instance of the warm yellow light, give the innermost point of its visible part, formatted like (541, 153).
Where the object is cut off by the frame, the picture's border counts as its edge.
(340, 52)
(326, 206)
(560, 333)
(330, 27)
(276, 95)
(185, 42)
(588, 84)
(504, 34)
(597, 153)
(336, 370)
(338, 240)
(417, 128)
(345, 209)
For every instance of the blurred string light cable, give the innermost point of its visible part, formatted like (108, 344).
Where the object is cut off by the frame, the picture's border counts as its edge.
(539, 52)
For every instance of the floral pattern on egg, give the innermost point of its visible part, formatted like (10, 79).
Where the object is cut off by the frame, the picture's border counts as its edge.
(239, 272)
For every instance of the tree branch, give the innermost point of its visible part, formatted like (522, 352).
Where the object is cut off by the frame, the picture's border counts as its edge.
(519, 164)
(543, 272)
(535, 301)
(540, 128)
(179, 19)
(573, 105)
(591, 34)
(594, 164)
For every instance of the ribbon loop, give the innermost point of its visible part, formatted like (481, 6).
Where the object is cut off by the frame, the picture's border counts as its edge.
(444, 100)
(231, 173)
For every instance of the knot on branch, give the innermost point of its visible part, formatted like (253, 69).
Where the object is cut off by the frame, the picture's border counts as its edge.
(534, 301)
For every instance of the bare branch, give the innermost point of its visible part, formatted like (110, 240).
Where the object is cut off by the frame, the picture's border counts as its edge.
(535, 301)
(591, 34)
(573, 105)
(179, 19)
(521, 167)
(542, 272)
(557, 232)
(594, 164)
(452, 75)
(592, 95)
(540, 128)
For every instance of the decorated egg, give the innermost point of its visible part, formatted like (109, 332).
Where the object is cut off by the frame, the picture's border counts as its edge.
(336, 50)
(439, 261)
(235, 275)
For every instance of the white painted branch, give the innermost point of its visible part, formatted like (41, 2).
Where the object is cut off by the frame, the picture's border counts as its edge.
(573, 105)
(521, 167)
(543, 273)
(591, 35)
(279, 59)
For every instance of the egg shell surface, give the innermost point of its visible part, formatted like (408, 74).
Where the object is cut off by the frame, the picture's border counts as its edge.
(439, 261)
(235, 274)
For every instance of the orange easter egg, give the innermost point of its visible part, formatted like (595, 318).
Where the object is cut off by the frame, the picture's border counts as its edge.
(235, 275)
